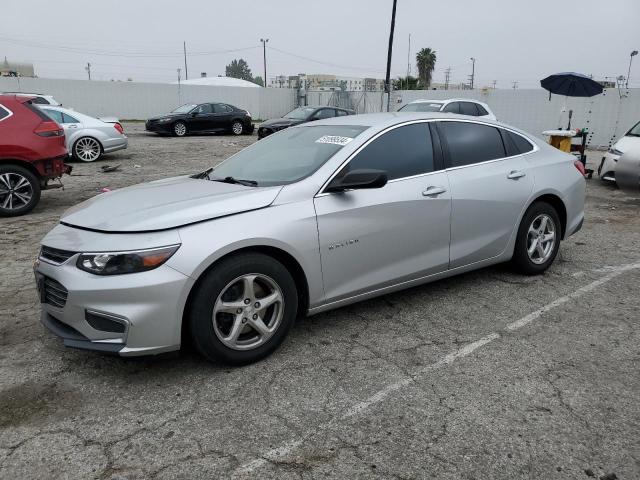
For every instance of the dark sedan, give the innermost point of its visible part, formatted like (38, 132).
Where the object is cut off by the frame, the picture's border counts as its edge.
(202, 118)
(300, 115)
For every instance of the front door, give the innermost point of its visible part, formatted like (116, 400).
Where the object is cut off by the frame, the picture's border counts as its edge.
(202, 118)
(370, 239)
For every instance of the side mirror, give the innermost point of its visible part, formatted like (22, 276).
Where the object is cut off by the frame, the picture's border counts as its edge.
(358, 179)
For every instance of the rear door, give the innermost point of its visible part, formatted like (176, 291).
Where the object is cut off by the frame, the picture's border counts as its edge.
(223, 115)
(371, 239)
(489, 190)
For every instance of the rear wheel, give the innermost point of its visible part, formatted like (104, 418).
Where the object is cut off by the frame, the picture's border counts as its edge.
(86, 149)
(179, 129)
(538, 239)
(243, 309)
(19, 190)
(237, 128)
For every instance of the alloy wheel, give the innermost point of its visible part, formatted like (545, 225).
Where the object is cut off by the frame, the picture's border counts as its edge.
(180, 129)
(15, 191)
(541, 239)
(237, 128)
(87, 149)
(248, 311)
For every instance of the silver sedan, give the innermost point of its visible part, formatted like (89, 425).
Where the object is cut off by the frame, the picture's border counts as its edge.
(311, 218)
(87, 138)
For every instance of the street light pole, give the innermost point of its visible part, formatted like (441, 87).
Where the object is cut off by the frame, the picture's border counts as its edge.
(473, 71)
(633, 54)
(264, 58)
(387, 81)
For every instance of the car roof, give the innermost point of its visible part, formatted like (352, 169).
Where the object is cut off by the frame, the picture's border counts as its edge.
(449, 100)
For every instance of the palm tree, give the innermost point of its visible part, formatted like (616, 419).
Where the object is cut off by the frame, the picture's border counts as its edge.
(426, 60)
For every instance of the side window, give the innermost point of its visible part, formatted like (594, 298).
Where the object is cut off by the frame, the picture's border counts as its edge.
(324, 113)
(521, 144)
(204, 108)
(69, 119)
(55, 115)
(481, 110)
(221, 108)
(39, 101)
(453, 107)
(4, 113)
(471, 143)
(401, 152)
(342, 113)
(468, 108)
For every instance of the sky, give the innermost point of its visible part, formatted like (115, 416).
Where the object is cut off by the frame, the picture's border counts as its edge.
(511, 40)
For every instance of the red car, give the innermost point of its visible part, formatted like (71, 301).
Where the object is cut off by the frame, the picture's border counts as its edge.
(32, 152)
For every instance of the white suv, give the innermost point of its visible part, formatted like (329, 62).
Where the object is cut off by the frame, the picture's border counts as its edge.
(462, 106)
(38, 99)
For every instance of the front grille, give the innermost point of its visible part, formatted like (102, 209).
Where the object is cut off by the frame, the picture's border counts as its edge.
(55, 255)
(53, 292)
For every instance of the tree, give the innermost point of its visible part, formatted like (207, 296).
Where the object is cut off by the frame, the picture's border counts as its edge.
(239, 69)
(258, 81)
(426, 61)
(406, 83)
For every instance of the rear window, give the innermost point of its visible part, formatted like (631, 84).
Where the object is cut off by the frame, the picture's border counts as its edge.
(481, 110)
(521, 144)
(39, 101)
(4, 112)
(468, 108)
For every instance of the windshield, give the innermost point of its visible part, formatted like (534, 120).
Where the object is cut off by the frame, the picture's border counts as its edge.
(184, 108)
(421, 107)
(287, 156)
(300, 113)
(635, 131)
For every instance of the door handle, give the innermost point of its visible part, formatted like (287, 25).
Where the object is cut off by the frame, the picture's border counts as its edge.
(516, 174)
(433, 191)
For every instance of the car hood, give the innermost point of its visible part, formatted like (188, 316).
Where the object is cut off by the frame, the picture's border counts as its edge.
(626, 143)
(165, 204)
(172, 114)
(281, 122)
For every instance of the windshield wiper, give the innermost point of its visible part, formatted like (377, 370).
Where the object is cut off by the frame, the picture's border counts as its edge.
(204, 174)
(246, 183)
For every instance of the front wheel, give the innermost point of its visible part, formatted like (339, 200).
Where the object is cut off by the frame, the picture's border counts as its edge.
(237, 128)
(179, 129)
(19, 191)
(243, 309)
(538, 239)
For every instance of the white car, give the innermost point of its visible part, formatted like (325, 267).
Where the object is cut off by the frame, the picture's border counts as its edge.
(462, 106)
(38, 98)
(609, 163)
(87, 138)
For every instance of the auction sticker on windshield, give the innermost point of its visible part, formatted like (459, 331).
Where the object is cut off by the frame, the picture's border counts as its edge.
(334, 139)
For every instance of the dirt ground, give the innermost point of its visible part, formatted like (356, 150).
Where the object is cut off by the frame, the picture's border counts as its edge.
(489, 375)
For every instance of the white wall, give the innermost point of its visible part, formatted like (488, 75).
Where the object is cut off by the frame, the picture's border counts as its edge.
(130, 100)
(607, 116)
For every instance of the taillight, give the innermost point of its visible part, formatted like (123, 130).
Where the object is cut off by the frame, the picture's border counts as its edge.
(578, 164)
(119, 128)
(49, 129)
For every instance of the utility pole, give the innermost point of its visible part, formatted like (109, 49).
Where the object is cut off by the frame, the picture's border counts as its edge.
(633, 54)
(447, 76)
(88, 69)
(179, 100)
(473, 72)
(409, 59)
(515, 84)
(186, 72)
(387, 81)
(494, 84)
(264, 58)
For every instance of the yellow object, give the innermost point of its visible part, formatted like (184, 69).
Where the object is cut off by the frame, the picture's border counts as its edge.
(561, 143)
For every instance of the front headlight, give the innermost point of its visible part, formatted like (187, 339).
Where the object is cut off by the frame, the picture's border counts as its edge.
(164, 120)
(118, 263)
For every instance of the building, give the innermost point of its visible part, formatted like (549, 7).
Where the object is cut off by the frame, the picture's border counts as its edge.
(326, 82)
(373, 85)
(14, 69)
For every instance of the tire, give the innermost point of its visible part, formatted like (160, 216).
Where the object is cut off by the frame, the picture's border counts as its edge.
(17, 201)
(237, 128)
(539, 221)
(86, 149)
(179, 129)
(219, 309)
